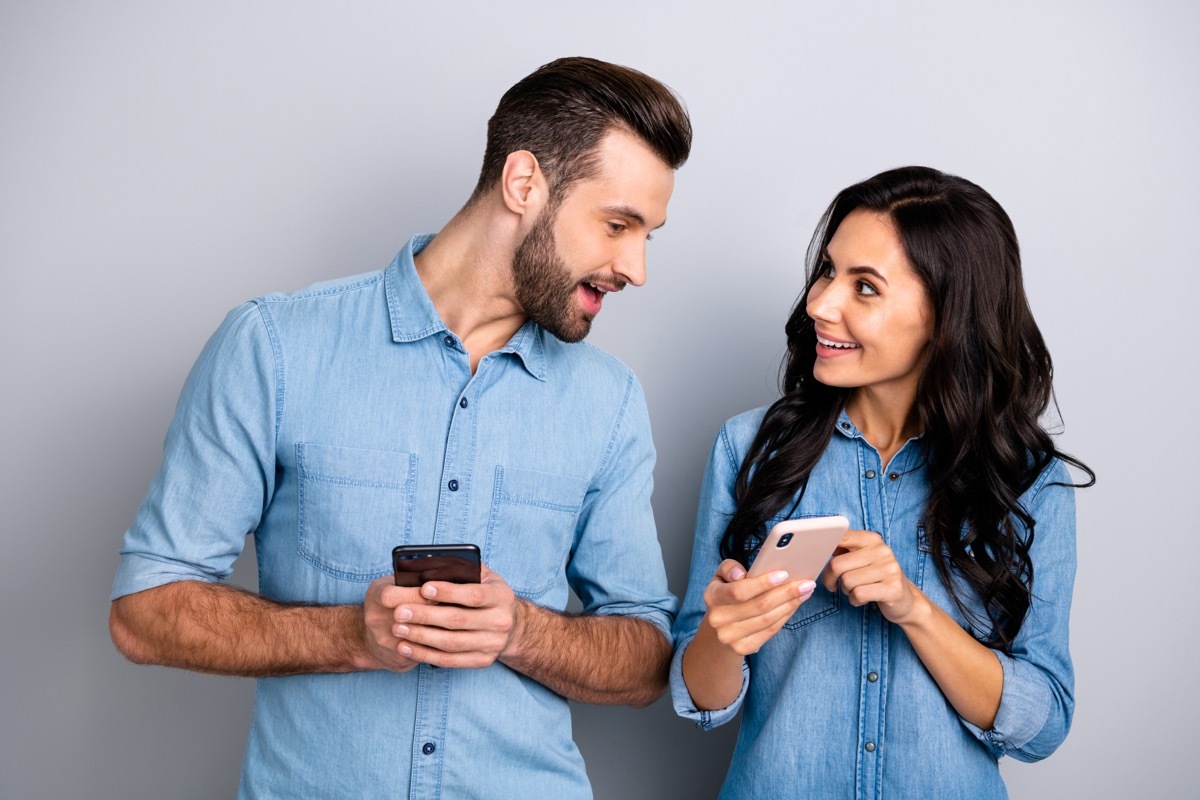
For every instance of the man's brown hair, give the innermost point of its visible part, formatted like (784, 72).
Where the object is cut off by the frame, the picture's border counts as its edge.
(562, 110)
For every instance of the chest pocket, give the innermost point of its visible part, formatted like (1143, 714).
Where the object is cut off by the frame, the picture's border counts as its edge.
(355, 506)
(531, 528)
(931, 583)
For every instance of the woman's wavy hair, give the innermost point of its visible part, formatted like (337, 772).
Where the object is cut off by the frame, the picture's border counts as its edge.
(984, 385)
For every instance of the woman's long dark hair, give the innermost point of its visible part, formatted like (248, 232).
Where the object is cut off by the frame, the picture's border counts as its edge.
(984, 385)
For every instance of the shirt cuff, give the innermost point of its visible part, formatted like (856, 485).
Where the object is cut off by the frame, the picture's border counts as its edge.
(682, 699)
(137, 573)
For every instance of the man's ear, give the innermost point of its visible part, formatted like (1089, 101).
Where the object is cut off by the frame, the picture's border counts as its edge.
(522, 185)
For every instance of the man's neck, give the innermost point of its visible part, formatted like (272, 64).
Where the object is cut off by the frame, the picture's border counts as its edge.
(467, 272)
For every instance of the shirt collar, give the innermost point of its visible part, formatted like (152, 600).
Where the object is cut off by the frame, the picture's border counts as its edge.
(414, 317)
(846, 427)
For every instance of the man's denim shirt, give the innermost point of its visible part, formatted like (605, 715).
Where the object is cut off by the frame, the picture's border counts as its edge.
(837, 704)
(342, 420)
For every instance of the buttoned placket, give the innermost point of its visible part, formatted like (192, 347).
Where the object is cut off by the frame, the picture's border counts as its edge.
(872, 694)
(433, 684)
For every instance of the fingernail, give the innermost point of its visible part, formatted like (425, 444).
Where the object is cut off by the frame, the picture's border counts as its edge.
(777, 577)
(401, 630)
(429, 590)
(403, 614)
(736, 574)
(405, 650)
(807, 588)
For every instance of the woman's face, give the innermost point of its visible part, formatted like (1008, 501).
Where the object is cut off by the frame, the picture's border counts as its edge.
(872, 315)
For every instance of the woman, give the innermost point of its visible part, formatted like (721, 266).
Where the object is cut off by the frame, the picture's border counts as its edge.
(935, 641)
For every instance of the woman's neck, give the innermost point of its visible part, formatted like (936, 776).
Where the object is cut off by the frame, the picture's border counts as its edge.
(886, 422)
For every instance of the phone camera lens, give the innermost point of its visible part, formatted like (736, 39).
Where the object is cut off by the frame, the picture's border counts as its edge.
(783, 540)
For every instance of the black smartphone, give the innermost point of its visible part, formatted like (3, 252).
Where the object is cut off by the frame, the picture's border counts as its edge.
(417, 563)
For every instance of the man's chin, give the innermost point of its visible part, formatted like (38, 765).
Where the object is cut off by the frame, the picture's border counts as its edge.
(574, 331)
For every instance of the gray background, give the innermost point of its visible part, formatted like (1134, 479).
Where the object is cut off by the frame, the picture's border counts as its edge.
(160, 163)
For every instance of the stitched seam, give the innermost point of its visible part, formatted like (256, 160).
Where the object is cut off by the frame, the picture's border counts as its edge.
(329, 291)
(277, 352)
(612, 438)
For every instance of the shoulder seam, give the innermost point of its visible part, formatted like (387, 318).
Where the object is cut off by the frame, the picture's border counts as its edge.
(277, 353)
(329, 291)
(617, 423)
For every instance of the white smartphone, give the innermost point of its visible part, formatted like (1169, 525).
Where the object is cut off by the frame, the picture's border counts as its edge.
(800, 546)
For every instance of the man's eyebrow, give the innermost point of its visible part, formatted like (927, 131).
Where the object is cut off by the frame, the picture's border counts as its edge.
(629, 212)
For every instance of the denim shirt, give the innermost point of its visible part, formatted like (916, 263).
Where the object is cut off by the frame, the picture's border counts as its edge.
(342, 420)
(837, 704)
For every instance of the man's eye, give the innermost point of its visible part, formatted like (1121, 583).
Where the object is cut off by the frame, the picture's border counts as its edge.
(615, 227)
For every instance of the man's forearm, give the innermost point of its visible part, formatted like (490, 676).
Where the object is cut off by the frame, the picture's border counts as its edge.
(218, 629)
(593, 659)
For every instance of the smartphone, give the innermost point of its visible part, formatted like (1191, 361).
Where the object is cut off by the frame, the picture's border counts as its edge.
(800, 546)
(415, 564)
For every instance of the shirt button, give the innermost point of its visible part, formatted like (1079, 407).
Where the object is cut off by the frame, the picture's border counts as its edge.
(428, 748)
(870, 473)
(449, 340)
(452, 485)
(462, 403)
(893, 475)
(869, 747)
(845, 426)
(872, 676)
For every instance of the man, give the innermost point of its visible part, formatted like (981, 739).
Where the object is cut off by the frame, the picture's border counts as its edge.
(445, 399)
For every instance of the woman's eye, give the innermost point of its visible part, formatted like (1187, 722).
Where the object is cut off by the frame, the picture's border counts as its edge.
(866, 288)
(826, 269)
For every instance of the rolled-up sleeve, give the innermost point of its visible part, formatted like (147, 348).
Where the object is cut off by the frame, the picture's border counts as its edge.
(218, 468)
(712, 516)
(1038, 699)
(617, 567)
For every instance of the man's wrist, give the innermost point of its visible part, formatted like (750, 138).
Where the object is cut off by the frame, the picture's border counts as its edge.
(524, 614)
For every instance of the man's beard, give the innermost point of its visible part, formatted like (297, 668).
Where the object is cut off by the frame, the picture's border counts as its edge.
(543, 283)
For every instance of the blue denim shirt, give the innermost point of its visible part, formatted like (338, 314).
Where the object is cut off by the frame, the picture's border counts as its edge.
(339, 421)
(837, 704)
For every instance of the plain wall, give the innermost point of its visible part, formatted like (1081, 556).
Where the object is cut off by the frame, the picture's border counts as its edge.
(163, 162)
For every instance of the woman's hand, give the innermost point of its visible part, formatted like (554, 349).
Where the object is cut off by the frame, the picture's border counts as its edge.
(968, 673)
(743, 612)
(869, 573)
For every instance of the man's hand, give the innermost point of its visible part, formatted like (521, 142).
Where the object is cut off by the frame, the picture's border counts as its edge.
(455, 624)
(379, 611)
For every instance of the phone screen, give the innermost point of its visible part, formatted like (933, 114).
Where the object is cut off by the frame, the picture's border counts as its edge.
(416, 564)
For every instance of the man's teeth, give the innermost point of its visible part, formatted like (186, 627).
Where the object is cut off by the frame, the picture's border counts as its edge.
(840, 345)
(595, 287)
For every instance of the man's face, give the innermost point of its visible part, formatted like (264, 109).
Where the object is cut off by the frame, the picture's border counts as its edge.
(594, 241)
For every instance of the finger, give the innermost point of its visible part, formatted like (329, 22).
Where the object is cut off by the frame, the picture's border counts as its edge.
(874, 554)
(453, 641)
(856, 540)
(762, 605)
(748, 588)
(471, 595)
(749, 635)
(441, 658)
(390, 595)
(729, 571)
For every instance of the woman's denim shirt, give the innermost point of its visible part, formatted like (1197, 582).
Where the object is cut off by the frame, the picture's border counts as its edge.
(837, 704)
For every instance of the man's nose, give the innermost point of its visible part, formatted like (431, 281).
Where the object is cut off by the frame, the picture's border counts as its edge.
(631, 266)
